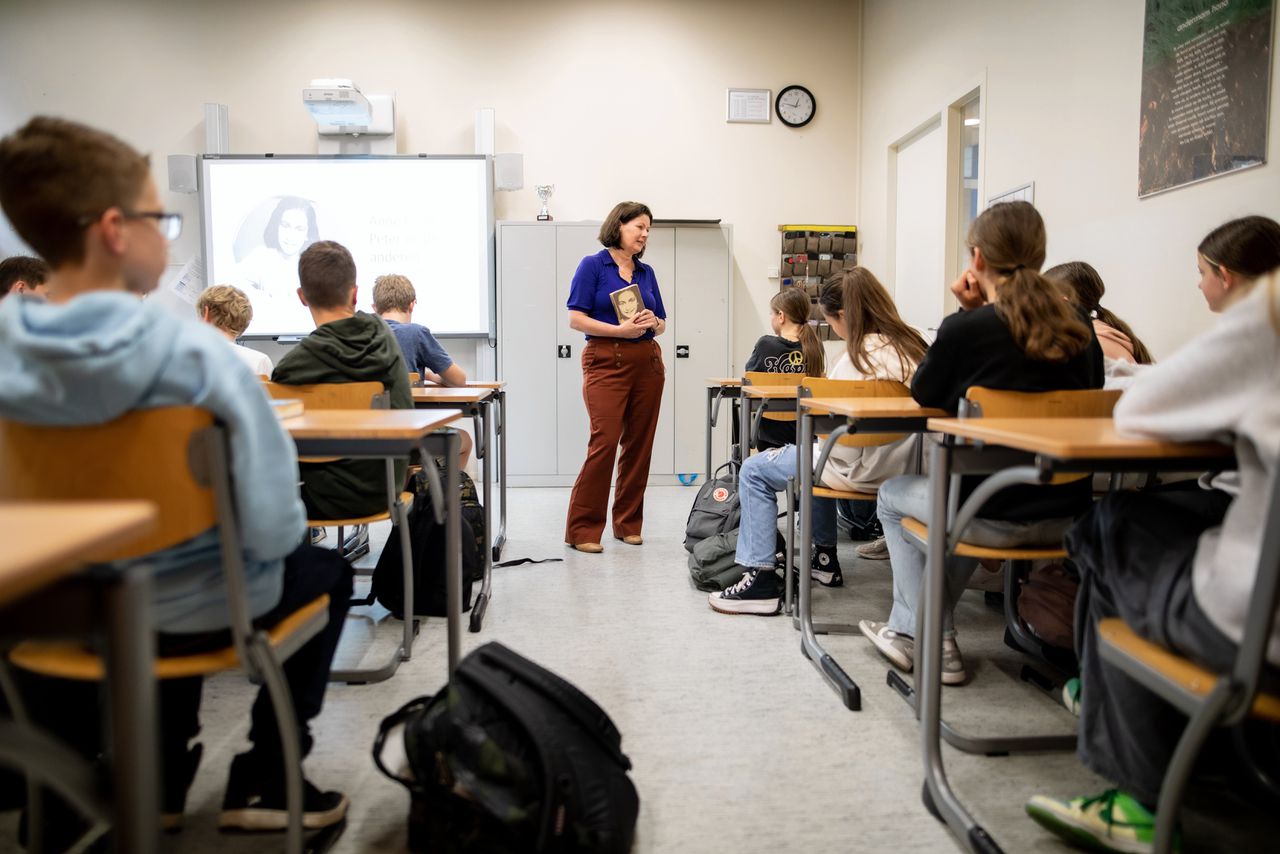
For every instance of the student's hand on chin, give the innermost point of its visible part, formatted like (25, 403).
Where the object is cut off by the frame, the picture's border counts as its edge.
(968, 292)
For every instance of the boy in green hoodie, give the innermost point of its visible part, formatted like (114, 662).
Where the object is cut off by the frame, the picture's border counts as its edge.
(347, 346)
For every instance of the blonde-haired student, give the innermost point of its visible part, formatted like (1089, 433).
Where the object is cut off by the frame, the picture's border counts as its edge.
(879, 345)
(394, 300)
(1014, 331)
(227, 310)
(1177, 565)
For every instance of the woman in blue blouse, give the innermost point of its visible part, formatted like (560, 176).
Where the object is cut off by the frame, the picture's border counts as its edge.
(622, 378)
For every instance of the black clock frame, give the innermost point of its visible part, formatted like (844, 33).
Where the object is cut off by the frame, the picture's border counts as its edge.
(778, 101)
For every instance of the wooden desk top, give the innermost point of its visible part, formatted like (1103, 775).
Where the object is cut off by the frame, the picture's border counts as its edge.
(724, 382)
(410, 424)
(496, 385)
(45, 541)
(441, 394)
(773, 392)
(1073, 438)
(871, 407)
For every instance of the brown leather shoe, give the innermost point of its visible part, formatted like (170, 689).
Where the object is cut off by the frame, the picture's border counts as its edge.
(633, 539)
(588, 548)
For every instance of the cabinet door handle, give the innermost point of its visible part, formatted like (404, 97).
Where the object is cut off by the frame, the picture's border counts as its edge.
(682, 351)
(564, 351)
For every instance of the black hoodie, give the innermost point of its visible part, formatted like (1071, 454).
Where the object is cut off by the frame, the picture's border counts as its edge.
(355, 349)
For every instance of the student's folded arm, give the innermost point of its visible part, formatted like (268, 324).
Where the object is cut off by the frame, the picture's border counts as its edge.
(453, 376)
(264, 463)
(936, 380)
(1202, 391)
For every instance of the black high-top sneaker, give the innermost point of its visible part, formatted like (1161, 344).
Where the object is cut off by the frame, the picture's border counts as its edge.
(759, 592)
(824, 568)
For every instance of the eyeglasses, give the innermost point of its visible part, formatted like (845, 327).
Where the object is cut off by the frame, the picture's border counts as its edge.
(168, 224)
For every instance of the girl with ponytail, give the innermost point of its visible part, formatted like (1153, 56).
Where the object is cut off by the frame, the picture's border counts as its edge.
(1015, 332)
(1085, 288)
(878, 346)
(793, 348)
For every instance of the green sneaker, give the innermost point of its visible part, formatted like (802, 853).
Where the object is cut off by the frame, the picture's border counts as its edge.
(1111, 821)
(1071, 695)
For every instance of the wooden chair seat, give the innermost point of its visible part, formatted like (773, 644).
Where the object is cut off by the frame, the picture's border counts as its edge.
(824, 492)
(1183, 672)
(920, 531)
(73, 661)
(382, 516)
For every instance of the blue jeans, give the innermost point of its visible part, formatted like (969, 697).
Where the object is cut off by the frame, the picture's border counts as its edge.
(908, 496)
(763, 476)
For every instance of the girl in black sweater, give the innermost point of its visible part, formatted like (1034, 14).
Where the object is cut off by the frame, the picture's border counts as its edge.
(1014, 331)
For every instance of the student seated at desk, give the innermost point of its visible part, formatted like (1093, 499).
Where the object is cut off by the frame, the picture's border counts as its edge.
(23, 275)
(347, 346)
(394, 299)
(793, 348)
(94, 352)
(227, 310)
(1014, 331)
(1085, 288)
(1179, 565)
(879, 345)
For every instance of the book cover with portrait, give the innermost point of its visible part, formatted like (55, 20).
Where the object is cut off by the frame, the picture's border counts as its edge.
(627, 302)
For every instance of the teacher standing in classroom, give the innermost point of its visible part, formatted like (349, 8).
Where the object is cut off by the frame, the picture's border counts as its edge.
(622, 378)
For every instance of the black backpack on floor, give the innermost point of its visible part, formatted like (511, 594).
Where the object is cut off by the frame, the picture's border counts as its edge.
(512, 758)
(427, 541)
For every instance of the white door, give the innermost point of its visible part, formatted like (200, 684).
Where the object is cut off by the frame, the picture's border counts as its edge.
(920, 202)
(660, 254)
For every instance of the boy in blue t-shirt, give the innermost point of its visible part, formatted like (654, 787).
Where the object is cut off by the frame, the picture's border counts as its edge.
(394, 300)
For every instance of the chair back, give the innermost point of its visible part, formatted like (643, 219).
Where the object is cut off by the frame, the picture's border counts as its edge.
(1078, 403)
(415, 378)
(368, 395)
(779, 410)
(823, 387)
(151, 454)
(1082, 403)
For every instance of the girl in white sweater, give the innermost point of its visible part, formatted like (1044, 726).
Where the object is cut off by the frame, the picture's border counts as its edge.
(1178, 565)
(879, 346)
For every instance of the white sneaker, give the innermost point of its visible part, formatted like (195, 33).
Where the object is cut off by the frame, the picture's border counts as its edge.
(953, 672)
(898, 648)
(877, 549)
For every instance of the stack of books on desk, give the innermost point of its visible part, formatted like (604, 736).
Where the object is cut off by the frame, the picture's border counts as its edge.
(287, 408)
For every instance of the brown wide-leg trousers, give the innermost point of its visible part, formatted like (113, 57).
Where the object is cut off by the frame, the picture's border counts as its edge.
(622, 387)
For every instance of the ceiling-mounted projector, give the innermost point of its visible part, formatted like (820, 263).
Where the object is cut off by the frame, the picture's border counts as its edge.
(338, 103)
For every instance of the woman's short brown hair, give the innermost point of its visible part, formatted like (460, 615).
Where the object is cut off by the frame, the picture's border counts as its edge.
(327, 273)
(226, 308)
(393, 292)
(623, 212)
(55, 175)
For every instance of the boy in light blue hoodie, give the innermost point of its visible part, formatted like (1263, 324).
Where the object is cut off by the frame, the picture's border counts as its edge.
(86, 202)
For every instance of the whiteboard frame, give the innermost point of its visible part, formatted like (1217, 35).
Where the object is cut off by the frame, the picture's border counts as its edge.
(490, 334)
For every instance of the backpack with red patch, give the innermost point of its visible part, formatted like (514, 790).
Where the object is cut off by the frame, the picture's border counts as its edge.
(715, 509)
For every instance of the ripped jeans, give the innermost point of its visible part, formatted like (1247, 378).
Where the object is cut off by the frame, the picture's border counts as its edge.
(761, 479)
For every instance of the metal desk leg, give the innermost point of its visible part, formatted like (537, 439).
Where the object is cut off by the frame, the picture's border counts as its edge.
(131, 690)
(486, 585)
(744, 432)
(500, 430)
(937, 791)
(453, 548)
(848, 690)
(711, 396)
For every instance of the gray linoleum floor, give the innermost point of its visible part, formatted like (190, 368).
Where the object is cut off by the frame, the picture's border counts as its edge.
(737, 743)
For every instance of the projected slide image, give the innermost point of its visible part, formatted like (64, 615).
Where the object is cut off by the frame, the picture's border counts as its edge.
(425, 219)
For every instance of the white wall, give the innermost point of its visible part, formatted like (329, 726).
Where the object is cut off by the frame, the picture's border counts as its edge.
(607, 100)
(1063, 92)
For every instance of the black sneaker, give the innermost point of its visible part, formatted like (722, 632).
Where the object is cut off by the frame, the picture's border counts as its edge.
(177, 773)
(759, 592)
(356, 544)
(256, 801)
(824, 568)
(317, 535)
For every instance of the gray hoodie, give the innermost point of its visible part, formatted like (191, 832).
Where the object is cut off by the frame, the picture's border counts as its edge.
(105, 353)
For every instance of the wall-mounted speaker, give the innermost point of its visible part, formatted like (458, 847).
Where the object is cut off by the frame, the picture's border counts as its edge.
(508, 171)
(182, 173)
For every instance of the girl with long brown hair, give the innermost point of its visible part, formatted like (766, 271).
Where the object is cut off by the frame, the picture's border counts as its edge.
(1085, 288)
(1014, 331)
(854, 303)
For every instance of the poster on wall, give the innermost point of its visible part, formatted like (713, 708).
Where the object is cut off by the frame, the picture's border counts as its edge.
(1206, 86)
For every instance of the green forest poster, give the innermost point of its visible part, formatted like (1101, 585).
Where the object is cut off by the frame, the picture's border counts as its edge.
(1206, 88)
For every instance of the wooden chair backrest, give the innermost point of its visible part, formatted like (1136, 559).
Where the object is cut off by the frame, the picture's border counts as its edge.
(1080, 403)
(143, 454)
(327, 395)
(1086, 403)
(415, 378)
(823, 387)
(784, 410)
